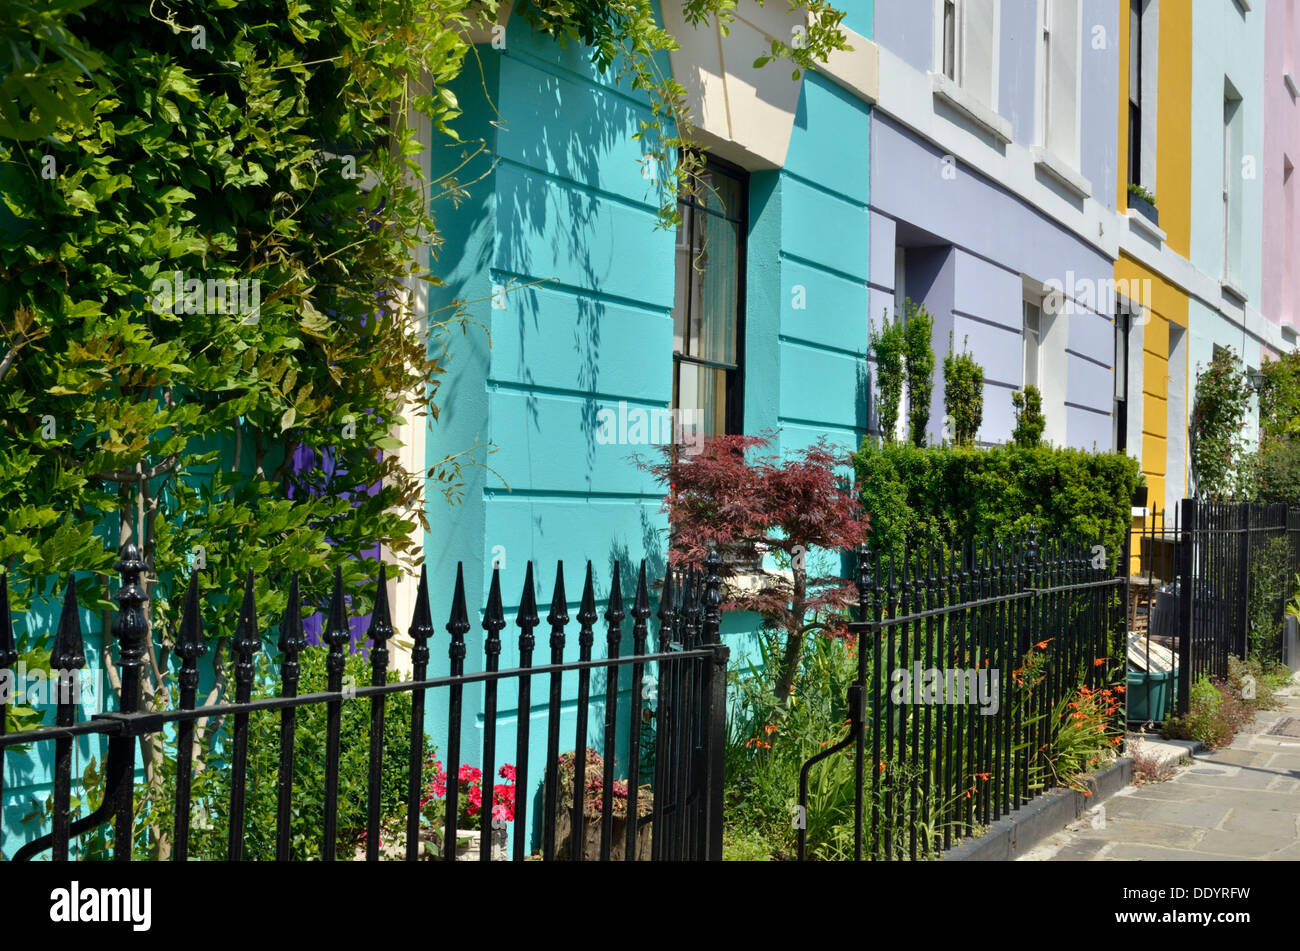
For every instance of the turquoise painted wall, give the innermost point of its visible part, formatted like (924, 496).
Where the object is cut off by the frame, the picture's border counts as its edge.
(563, 219)
(566, 205)
(807, 277)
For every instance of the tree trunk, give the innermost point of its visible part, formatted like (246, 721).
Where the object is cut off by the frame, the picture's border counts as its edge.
(794, 638)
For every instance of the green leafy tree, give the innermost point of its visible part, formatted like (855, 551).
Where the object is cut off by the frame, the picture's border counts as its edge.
(963, 394)
(920, 369)
(888, 344)
(1030, 421)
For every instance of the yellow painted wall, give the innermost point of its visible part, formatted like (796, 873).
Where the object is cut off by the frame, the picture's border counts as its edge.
(1173, 188)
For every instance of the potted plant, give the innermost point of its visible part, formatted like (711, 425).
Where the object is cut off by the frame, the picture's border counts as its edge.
(593, 812)
(470, 809)
(1143, 202)
(1140, 493)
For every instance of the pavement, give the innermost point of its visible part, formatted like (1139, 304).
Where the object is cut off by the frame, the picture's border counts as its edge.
(1241, 802)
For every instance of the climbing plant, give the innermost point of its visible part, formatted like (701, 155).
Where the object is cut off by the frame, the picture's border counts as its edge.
(1218, 416)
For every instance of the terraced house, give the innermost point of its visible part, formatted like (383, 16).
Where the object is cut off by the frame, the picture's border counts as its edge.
(1034, 172)
(594, 325)
(1089, 196)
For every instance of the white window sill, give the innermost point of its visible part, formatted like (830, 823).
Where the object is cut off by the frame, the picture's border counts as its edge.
(1140, 511)
(1063, 174)
(1138, 222)
(958, 99)
(1229, 287)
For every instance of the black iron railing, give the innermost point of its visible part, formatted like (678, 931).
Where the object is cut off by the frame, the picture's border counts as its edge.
(684, 818)
(1207, 574)
(926, 773)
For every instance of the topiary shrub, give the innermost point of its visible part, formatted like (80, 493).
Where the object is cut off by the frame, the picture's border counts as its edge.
(963, 394)
(1030, 421)
(920, 369)
(887, 344)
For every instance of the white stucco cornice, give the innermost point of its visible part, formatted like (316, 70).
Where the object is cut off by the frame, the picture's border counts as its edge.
(908, 95)
(742, 113)
(747, 114)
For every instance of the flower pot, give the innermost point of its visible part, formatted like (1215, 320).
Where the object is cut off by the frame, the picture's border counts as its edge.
(591, 830)
(1144, 208)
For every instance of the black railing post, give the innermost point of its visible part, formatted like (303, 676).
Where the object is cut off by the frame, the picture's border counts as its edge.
(1186, 560)
(131, 629)
(587, 617)
(337, 635)
(1243, 583)
(292, 642)
(614, 615)
(494, 622)
(8, 657)
(557, 619)
(663, 718)
(381, 629)
(640, 632)
(190, 646)
(247, 641)
(715, 709)
(421, 630)
(67, 657)
(526, 620)
(865, 581)
(457, 627)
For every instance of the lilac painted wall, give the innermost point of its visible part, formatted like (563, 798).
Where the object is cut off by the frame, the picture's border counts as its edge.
(1281, 275)
(1098, 98)
(968, 242)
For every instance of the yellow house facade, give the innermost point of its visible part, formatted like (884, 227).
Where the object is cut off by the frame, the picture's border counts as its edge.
(1154, 153)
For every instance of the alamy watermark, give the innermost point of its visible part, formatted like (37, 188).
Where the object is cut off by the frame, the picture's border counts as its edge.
(1100, 295)
(949, 685)
(650, 427)
(41, 688)
(191, 295)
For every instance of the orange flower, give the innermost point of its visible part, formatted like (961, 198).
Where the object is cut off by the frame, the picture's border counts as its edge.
(1099, 661)
(1042, 645)
(770, 728)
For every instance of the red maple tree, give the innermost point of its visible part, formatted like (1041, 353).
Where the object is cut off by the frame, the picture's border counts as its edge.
(732, 496)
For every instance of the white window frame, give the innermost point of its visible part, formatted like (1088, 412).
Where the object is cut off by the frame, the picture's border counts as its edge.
(1050, 34)
(962, 23)
(1036, 336)
(1052, 360)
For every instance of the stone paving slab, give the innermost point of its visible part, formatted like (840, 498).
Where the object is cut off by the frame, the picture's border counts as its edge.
(1238, 803)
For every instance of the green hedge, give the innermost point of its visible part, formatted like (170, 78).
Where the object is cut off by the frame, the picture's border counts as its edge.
(948, 495)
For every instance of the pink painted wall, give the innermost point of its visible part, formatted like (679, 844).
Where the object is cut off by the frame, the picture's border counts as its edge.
(1281, 271)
